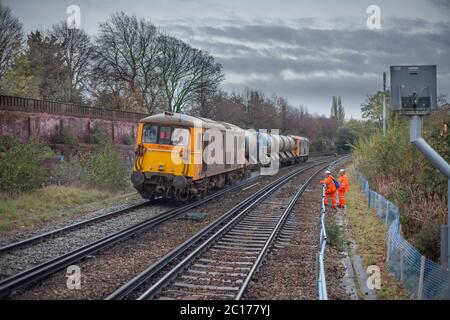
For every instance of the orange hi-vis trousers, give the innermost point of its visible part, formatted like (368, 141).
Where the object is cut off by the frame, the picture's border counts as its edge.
(330, 191)
(343, 180)
(341, 195)
(332, 195)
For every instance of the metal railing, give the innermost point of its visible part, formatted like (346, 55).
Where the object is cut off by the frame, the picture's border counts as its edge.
(321, 281)
(33, 105)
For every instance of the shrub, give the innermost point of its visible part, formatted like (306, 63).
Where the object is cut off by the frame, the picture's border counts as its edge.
(104, 169)
(108, 169)
(20, 169)
(64, 136)
(98, 135)
(403, 175)
(128, 140)
(74, 171)
(427, 240)
(335, 237)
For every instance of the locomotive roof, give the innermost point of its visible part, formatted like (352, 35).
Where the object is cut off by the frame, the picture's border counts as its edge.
(179, 119)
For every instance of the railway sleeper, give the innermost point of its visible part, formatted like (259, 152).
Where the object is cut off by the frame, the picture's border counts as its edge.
(226, 262)
(213, 281)
(218, 266)
(215, 273)
(172, 294)
(205, 287)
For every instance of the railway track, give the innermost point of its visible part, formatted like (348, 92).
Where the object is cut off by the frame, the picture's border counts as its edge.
(219, 261)
(56, 232)
(51, 266)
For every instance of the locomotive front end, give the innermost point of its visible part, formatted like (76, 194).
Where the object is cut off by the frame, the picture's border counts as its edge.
(163, 164)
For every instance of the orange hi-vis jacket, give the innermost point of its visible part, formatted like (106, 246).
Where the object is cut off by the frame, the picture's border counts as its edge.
(328, 181)
(343, 181)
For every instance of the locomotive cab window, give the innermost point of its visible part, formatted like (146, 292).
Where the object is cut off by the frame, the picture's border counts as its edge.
(150, 134)
(165, 135)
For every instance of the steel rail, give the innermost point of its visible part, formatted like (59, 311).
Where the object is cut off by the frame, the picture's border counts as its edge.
(76, 225)
(162, 282)
(135, 282)
(275, 231)
(51, 266)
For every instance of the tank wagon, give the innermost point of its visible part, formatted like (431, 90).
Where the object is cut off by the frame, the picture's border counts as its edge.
(183, 157)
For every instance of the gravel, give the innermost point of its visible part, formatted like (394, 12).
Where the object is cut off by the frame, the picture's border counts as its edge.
(290, 269)
(31, 255)
(111, 268)
(5, 240)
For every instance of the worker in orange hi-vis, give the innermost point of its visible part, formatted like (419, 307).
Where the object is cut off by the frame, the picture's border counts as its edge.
(343, 187)
(330, 190)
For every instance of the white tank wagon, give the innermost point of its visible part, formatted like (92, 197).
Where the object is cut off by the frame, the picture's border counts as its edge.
(257, 141)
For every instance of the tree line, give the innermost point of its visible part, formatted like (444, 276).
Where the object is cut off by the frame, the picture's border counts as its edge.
(130, 64)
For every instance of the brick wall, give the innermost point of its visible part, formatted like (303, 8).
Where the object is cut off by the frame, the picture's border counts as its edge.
(25, 125)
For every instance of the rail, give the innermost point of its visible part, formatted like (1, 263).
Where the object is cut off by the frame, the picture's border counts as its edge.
(51, 266)
(209, 234)
(321, 277)
(321, 281)
(64, 108)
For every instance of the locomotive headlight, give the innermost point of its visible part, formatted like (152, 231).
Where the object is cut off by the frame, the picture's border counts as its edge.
(161, 167)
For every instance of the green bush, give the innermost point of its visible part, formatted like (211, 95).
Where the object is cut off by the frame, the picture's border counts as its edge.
(128, 140)
(64, 136)
(103, 169)
(74, 171)
(403, 175)
(98, 135)
(20, 169)
(335, 237)
(427, 240)
(323, 145)
(108, 169)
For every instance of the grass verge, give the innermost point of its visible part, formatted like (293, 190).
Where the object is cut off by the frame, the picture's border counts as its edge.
(370, 236)
(33, 209)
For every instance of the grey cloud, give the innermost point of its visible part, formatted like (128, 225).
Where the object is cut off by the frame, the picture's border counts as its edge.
(442, 3)
(266, 50)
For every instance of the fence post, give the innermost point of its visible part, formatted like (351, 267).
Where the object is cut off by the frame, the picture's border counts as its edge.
(422, 272)
(388, 248)
(387, 212)
(402, 275)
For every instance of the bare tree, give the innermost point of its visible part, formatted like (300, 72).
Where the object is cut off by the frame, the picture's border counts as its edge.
(185, 71)
(125, 57)
(10, 39)
(77, 52)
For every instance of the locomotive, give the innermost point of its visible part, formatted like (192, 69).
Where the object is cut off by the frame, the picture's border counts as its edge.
(183, 157)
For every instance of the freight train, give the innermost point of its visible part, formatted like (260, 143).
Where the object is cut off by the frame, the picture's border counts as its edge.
(183, 157)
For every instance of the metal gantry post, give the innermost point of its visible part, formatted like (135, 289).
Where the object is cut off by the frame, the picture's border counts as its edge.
(415, 137)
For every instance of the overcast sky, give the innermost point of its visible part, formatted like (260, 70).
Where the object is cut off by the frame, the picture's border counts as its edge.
(306, 51)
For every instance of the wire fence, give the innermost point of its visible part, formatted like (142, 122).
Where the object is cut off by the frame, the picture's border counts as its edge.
(321, 279)
(422, 278)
